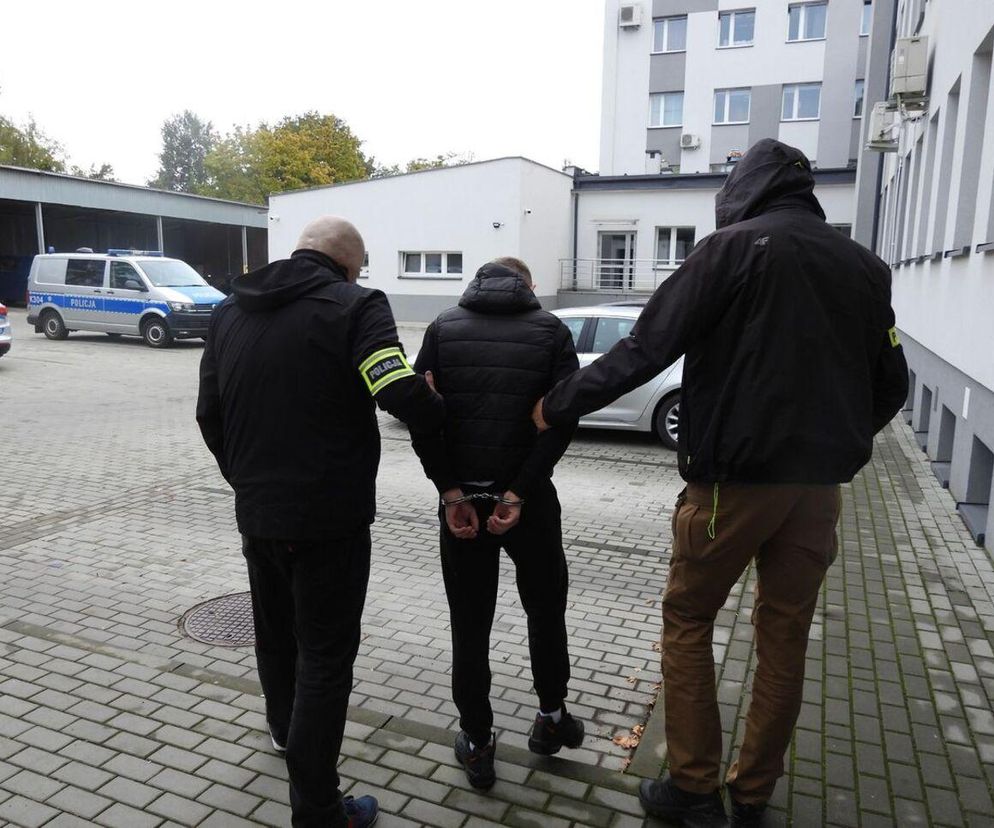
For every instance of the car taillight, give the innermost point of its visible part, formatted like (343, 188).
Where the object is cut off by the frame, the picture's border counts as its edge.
(3, 310)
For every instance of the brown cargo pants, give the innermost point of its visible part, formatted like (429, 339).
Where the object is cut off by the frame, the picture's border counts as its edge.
(789, 530)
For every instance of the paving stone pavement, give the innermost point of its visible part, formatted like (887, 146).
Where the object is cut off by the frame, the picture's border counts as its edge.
(114, 522)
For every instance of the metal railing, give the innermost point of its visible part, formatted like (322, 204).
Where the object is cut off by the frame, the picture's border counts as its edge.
(614, 275)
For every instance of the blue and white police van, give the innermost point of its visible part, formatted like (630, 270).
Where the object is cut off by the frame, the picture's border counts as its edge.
(120, 293)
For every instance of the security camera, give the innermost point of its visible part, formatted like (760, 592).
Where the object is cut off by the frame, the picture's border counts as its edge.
(274, 218)
(498, 225)
(528, 212)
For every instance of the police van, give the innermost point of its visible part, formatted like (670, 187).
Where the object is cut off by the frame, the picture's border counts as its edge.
(123, 292)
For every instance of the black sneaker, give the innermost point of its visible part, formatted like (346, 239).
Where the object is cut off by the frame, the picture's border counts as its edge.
(662, 798)
(477, 762)
(278, 740)
(746, 816)
(548, 737)
(362, 812)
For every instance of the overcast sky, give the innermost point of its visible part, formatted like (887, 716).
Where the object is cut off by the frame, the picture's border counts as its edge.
(411, 77)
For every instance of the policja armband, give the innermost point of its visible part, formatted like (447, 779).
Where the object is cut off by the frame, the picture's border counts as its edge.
(383, 367)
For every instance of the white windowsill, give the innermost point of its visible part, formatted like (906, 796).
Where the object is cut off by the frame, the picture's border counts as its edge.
(455, 277)
(737, 46)
(728, 123)
(670, 52)
(666, 126)
(798, 120)
(805, 39)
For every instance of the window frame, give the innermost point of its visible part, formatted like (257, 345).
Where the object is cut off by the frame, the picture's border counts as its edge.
(671, 261)
(423, 273)
(727, 106)
(596, 325)
(92, 270)
(859, 98)
(666, 34)
(731, 14)
(662, 109)
(866, 19)
(797, 99)
(120, 265)
(803, 7)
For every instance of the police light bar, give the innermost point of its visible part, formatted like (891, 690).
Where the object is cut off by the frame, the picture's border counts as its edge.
(121, 251)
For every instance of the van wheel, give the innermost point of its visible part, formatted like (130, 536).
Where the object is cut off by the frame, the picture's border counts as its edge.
(667, 421)
(53, 326)
(156, 333)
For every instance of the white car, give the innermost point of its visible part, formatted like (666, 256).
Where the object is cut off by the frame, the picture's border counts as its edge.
(654, 406)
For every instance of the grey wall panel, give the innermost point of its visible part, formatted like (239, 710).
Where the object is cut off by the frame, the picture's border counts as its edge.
(667, 72)
(724, 139)
(764, 113)
(667, 141)
(854, 138)
(842, 51)
(861, 53)
(671, 8)
(410, 307)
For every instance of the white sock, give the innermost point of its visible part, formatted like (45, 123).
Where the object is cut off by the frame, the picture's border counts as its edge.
(555, 715)
(488, 744)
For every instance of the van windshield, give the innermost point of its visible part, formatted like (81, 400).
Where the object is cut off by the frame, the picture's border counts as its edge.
(171, 273)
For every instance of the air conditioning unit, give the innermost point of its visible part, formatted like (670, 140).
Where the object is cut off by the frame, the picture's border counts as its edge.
(630, 16)
(882, 133)
(689, 141)
(909, 68)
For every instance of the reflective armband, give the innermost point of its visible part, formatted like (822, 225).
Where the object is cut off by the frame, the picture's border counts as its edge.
(383, 367)
(894, 339)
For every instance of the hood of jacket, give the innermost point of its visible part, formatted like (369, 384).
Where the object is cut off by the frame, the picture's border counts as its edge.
(498, 289)
(770, 175)
(281, 282)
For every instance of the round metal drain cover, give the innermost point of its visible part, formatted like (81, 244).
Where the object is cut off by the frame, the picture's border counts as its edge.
(224, 621)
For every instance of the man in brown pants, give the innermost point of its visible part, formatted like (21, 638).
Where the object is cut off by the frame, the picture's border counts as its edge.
(792, 365)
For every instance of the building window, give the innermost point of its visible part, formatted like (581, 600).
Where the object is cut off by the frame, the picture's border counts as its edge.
(801, 102)
(864, 24)
(731, 106)
(806, 21)
(666, 109)
(736, 28)
(857, 110)
(669, 34)
(673, 245)
(431, 265)
(844, 229)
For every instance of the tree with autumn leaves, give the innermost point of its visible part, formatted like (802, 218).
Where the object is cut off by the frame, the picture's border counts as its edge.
(248, 164)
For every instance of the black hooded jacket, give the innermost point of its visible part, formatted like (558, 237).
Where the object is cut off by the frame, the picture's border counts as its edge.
(792, 360)
(492, 358)
(293, 363)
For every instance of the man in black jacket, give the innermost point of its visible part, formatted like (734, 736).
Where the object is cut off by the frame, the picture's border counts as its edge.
(792, 365)
(490, 358)
(295, 362)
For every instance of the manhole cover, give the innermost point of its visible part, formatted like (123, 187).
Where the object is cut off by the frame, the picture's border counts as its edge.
(224, 621)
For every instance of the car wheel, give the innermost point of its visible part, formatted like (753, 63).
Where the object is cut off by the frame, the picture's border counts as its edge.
(53, 326)
(156, 333)
(668, 421)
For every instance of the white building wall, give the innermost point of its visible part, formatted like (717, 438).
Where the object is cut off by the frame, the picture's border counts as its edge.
(454, 209)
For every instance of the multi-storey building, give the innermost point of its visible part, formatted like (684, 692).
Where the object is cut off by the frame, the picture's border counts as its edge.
(691, 84)
(935, 225)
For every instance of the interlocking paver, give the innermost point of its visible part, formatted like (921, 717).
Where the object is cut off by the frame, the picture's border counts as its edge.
(98, 698)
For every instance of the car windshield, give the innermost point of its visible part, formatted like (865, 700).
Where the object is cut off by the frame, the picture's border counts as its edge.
(171, 273)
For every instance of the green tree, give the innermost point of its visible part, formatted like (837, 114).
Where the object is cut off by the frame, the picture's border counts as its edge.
(448, 159)
(105, 172)
(299, 151)
(186, 142)
(29, 147)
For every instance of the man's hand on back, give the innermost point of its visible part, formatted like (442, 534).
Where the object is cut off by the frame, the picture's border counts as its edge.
(505, 515)
(537, 417)
(460, 517)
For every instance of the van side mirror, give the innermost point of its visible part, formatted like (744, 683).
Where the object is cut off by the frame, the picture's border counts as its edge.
(134, 284)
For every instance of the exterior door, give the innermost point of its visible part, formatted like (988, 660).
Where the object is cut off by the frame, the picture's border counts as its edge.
(617, 260)
(125, 298)
(84, 296)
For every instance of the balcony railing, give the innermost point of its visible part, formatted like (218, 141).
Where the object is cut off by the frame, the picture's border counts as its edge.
(614, 275)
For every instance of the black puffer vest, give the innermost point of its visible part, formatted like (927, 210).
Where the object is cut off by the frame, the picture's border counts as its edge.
(496, 357)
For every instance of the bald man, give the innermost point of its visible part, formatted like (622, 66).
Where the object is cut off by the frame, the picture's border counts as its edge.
(296, 360)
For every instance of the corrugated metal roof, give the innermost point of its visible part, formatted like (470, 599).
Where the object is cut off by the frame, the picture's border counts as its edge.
(21, 184)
